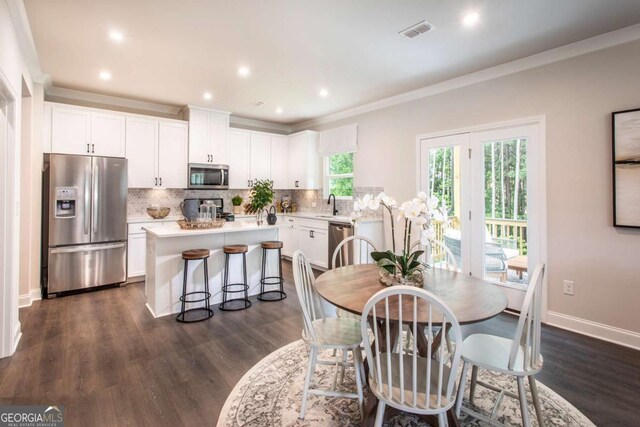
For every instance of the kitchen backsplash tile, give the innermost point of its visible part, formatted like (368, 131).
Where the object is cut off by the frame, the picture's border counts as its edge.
(141, 198)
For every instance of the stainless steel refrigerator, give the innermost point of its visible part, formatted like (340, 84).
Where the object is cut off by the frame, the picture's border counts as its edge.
(84, 222)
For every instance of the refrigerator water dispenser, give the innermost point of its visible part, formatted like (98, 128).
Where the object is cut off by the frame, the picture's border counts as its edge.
(66, 198)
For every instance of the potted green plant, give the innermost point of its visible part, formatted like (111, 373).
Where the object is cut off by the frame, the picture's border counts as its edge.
(236, 201)
(261, 196)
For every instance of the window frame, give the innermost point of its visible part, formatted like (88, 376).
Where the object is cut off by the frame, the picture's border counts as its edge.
(327, 176)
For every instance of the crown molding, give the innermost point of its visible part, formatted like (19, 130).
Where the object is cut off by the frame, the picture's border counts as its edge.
(253, 124)
(60, 93)
(603, 41)
(25, 41)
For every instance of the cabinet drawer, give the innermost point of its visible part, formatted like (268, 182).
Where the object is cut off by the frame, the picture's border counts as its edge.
(137, 227)
(313, 223)
(290, 220)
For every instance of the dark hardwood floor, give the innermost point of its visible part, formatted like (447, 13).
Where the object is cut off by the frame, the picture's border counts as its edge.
(104, 358)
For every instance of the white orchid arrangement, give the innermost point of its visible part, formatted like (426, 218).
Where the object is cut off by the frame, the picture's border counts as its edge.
(419, 211)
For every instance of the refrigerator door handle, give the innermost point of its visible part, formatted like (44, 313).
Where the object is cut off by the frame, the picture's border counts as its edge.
(86, 248)
(94, 207)
(87, 198)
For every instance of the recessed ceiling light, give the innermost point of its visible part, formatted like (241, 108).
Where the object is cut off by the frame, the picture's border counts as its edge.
(244, 71)
(105, 75)
(207, 95)
(116, 36)
(471, 19)
(279, 110)
(323, 93)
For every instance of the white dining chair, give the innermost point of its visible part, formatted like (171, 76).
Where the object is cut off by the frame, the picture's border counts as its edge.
(450, 262)
(405, 380)
(519, 357)
(353, 250)
(322, 332)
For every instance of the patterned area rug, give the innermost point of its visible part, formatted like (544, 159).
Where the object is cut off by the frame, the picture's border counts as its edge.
(270, 395)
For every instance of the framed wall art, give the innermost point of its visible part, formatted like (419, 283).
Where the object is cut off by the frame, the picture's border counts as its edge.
(626, 168)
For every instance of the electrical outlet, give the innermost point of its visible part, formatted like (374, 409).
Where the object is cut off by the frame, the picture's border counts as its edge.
(313, 204)
(568, 287)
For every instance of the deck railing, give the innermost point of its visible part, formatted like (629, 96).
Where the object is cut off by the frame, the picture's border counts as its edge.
(511, 233)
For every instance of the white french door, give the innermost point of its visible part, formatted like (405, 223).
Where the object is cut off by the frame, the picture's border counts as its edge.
(490, 182)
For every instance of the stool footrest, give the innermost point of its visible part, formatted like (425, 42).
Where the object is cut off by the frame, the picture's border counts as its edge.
(280, 296)
(184, 299)
(243, 287)
(272, 281)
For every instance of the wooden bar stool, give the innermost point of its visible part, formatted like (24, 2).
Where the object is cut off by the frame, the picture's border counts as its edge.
(207, 312)
(234, 304)
(274, 294)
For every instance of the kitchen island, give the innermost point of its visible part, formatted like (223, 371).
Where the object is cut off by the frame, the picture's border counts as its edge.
(165, 267)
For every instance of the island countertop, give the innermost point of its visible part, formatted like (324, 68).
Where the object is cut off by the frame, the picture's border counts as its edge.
(229, 227)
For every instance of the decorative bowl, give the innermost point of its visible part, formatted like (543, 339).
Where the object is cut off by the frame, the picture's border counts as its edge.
(158, 213)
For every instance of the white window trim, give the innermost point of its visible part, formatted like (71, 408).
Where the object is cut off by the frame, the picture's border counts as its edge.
(327, 176)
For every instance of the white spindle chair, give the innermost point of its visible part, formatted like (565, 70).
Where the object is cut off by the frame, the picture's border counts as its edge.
(450, 261)
(519, 356)
(402, 378)
(322, 332)
(359, 246)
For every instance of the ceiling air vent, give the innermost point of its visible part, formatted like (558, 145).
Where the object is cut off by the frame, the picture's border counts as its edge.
(257, 103)
(417, 29)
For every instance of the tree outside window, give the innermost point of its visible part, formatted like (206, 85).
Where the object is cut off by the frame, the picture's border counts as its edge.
(339, 175)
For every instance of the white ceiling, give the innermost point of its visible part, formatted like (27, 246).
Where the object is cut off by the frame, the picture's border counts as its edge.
(175, 50)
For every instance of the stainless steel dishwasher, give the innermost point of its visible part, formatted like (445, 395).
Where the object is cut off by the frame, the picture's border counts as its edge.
(339, 231)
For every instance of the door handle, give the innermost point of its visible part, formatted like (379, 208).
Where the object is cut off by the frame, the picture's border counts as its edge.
(93, 148)
(87, 197)
(297, 183)
(86, 248)
(160, 181)
(94, 210)
(248, 183)
(88, 151)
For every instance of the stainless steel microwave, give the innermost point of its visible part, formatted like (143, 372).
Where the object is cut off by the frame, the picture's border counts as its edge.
(211, 177)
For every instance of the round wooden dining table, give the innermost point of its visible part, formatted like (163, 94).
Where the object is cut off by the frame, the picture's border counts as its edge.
(470, 299)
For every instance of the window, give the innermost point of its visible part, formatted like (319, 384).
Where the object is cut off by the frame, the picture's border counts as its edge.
(339, 175)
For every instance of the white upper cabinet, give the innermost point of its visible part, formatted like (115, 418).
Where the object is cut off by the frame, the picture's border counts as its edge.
(157, 153)
(108, 134)
(70, 131)
(279, 162)
(304, 161)
(238, 158)
(208, 134)
(142, 152)
(172, 154)
(84, 131)
(260, 156)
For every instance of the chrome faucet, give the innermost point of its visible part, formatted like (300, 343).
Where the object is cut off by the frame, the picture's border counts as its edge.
(335, 211)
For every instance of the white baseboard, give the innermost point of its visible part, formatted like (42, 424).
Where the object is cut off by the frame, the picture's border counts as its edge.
(25, 300)
(596, 330)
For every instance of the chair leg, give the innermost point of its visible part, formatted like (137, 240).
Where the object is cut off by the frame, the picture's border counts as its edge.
(313, 354)
(474, 380)
(536, 399)
(463, 383)
(342, 368)
(524, 408)
(442, 419)
(379, 413)
(357, 365)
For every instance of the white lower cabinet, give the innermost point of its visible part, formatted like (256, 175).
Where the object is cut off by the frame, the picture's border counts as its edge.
(137, 247)
(289, 236)
(314, 244)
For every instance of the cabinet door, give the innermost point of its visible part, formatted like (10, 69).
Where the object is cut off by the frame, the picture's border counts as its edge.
(108, 135)
(297, 161)
(289, 238)
(279, 162)
(142, 152)
(218, 135)
(238, 159)
(199, 147)
(260, 164)
(70, 131)
(314, 244)
(136, 254)
(172, 155)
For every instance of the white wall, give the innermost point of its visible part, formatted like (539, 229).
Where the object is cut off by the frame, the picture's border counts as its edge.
(12, 69)
(576, 96)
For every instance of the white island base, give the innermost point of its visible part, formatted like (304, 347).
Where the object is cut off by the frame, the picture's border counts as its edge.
(165, 267)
